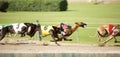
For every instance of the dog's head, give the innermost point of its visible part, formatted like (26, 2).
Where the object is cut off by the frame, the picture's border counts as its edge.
(81, 24)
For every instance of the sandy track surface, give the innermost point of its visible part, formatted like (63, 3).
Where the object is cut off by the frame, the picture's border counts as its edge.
(30, 46)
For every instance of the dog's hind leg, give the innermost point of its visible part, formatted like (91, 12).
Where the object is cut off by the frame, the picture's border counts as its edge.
(101, 32)
(3, 33)
(99, 36)
(52, 35)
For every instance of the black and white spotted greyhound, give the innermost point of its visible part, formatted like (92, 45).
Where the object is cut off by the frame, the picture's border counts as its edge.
(19, 28)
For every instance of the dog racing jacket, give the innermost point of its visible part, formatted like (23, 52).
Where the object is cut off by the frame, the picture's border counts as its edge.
(110, 29)
(45, 30)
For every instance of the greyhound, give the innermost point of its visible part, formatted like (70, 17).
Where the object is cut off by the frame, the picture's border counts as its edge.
(108, 30)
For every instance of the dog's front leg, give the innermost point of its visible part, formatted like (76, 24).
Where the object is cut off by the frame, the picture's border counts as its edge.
(56, 41)
(65, 39)
(102, 44)
(52, 35)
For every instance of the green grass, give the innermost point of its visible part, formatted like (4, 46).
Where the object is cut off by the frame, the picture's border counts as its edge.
(93, 15)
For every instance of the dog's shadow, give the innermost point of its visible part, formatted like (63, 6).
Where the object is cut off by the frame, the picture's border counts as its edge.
(117, 45)
(12, 43)
(116, 41)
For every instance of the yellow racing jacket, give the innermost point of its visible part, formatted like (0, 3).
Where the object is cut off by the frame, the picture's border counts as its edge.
(45, 30)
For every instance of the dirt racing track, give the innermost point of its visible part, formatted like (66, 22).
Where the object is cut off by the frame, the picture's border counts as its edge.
(22, 48)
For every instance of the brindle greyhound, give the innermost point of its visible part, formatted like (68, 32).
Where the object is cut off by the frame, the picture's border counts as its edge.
(51, 30)
(108, 30)
(68, 30)
(58, 29)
